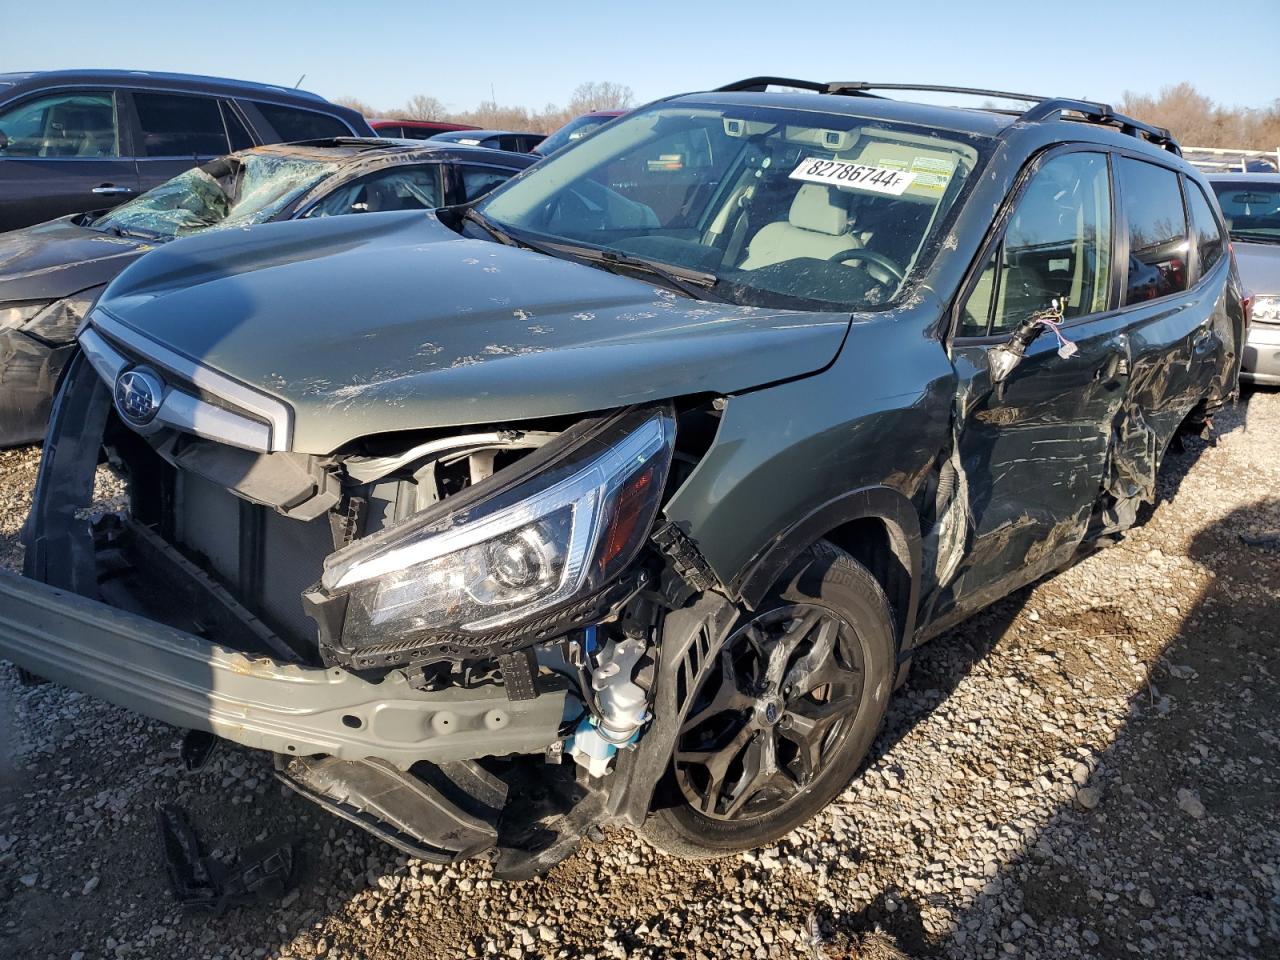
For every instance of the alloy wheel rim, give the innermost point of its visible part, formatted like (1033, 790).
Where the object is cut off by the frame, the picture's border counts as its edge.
(770, 714)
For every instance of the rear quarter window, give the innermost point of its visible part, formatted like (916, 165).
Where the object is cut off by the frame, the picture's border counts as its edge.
(292, 123)
(1204, 228)
(1157, 230)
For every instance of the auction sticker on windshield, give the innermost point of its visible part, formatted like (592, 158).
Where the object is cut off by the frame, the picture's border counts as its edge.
(859, 176)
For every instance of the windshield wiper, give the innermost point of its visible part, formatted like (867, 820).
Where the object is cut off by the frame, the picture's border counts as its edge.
(692, 283)
(495, 231)
(136, 234)
(1246, 236)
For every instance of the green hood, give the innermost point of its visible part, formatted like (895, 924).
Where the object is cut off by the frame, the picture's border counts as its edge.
(382, 322)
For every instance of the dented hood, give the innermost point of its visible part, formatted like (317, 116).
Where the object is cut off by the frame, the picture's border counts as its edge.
(56, 259)
(379, 322)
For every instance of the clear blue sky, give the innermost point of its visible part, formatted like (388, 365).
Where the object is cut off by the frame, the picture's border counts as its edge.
(535, 52)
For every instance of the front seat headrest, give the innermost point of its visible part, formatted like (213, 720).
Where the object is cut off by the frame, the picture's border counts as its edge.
(813, 209)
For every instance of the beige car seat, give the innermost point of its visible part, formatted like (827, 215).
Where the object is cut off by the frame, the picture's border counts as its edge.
(815, 227)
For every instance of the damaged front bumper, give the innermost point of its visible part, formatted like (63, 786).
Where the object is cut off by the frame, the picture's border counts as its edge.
(296, 711)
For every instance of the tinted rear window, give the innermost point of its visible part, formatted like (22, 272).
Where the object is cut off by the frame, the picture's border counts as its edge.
(294, 124)
(1204, 228)
(1157, 230)
(1252, 208)
(174, 125)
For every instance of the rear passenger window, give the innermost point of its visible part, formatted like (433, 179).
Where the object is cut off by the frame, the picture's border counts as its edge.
(294, 124)
(1057, 247)
(1204, 228)
(477, 181)
(177, 126)
(1157, 230)
(236, 130)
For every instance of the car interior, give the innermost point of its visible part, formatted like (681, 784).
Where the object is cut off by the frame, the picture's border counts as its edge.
(728, 202)
(82, 126)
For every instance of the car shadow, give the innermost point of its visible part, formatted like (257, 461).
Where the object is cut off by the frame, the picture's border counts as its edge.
(973, 639)
(1176, 838)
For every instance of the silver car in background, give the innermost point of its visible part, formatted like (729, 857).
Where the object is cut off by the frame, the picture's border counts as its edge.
(1251, 207)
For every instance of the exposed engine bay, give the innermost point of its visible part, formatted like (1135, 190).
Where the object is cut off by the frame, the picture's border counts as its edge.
(505, 568)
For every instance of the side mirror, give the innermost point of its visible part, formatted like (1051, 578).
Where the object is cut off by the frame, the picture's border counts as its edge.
(1004, 359)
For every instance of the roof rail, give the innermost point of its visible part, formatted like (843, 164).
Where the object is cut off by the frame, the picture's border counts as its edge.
(1103, 113)
(862, 86)
(1045, 108)
(758, 84)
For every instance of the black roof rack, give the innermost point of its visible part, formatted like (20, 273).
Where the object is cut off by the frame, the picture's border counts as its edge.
(862, 86)
(1045, 108)
(1104, 114)
(758, 85)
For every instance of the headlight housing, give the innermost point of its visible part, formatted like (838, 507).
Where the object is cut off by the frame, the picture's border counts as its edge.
(561, 528)
(54, 322)
(1266, 310)
(16, 315)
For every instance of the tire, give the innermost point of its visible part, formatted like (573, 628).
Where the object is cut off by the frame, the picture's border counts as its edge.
(698, 822)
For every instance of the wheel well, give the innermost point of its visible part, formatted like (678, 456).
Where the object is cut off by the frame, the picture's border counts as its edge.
(883, 551)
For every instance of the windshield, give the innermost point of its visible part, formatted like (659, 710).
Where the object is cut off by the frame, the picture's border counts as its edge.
(1251, 208)
(230, 192)
(782, 207)
(571, 132)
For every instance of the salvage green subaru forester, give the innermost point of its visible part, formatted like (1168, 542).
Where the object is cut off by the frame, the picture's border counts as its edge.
(626, 494)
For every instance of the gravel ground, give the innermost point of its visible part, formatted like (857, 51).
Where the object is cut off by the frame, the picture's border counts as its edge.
(1087, 769)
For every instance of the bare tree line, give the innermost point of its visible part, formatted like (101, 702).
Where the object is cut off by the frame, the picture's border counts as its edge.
(1193, 117)
(586, 97)
(1195, 120)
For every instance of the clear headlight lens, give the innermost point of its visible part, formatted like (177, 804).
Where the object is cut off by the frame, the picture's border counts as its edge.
(56, 322)
(15, 315)
(1266, 310)
(561, 533)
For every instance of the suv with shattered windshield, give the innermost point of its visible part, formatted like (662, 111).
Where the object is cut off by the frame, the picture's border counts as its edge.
(626, 494)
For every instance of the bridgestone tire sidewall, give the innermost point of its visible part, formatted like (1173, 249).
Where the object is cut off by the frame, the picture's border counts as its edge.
(827, 577)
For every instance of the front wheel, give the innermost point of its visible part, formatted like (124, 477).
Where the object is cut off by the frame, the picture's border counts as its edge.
(783, 714)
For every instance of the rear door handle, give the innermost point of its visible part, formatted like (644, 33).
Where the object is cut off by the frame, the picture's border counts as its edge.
(111, 188)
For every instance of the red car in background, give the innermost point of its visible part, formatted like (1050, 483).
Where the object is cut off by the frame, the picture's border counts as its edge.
(415, 129)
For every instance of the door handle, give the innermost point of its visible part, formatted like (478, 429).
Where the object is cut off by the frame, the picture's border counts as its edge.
(110, 188)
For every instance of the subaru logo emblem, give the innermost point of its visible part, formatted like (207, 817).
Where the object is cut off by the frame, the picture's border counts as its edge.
(138, 395)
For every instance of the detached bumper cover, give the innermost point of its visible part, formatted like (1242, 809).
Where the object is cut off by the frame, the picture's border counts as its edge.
(189, 682)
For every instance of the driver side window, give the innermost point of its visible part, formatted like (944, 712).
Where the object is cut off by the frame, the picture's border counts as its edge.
(80, 123)
(1057, 246)
(401, 188)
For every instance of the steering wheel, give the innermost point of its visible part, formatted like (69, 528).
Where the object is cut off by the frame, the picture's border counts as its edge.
(891, 269)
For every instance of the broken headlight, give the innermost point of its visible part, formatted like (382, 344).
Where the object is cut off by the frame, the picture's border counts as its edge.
(512, 550)
(17, 314)
(56, 321)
